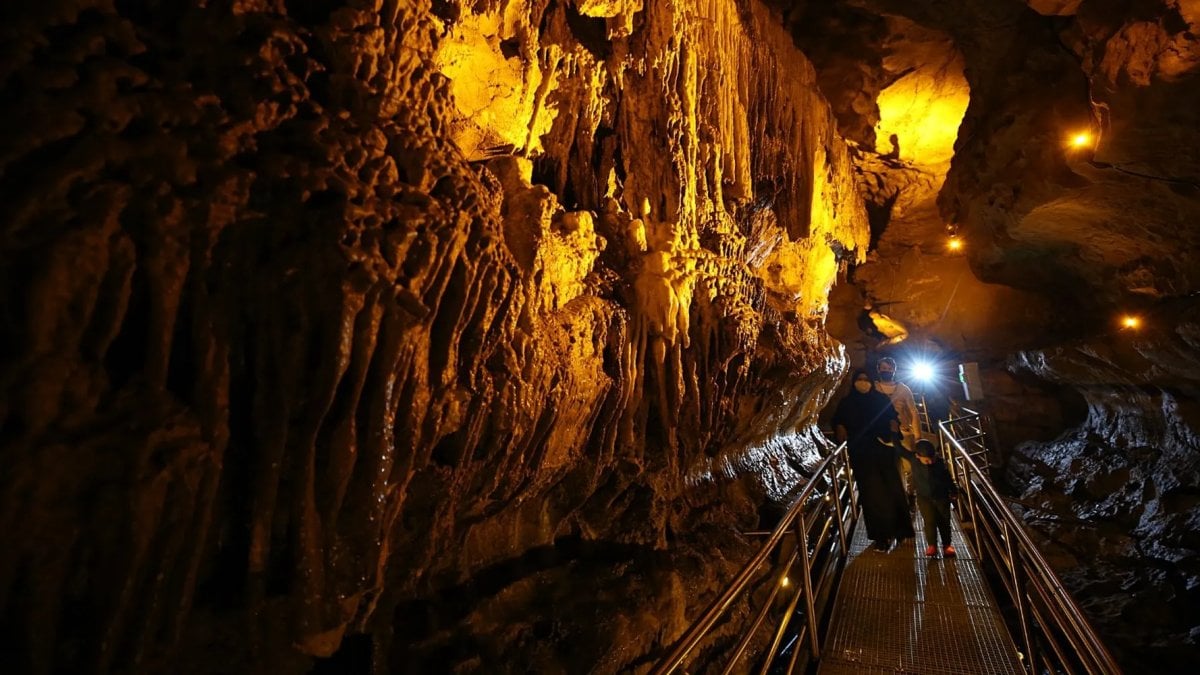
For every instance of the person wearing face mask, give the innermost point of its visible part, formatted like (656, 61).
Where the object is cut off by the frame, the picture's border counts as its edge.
(867, 422)
(906, 408)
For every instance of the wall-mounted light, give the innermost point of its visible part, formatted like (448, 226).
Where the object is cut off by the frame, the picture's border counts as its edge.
(1081, 140)
(954, 243)
(1131, 322)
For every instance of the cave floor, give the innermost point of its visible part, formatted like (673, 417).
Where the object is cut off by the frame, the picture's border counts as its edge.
(900, 612)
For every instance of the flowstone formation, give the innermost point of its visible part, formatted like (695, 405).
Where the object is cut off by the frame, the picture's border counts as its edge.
(420, 335)
(897, 82)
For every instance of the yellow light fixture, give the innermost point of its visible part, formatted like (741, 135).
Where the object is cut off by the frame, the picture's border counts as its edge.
(1081, 140)
(785, 582)
(1131, 322)
(954, 244)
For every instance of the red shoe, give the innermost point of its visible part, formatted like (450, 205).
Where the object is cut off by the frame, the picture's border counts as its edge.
(931, 551)
(949, 551)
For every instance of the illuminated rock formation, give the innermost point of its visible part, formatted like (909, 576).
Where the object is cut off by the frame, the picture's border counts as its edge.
(465, 336)
(383, 320)
(1060, 241)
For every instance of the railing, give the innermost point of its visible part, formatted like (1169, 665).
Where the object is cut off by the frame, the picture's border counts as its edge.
(1054, 634)
(969, 430)
(821, 521)
(923, 413)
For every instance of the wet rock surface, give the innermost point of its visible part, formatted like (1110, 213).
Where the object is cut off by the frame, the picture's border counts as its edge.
(386, 335)
(364, 334)
(1115, 499)
(1060, 242)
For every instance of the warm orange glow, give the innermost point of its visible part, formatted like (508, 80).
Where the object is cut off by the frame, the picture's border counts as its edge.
(502, 100)
(1131, 322)
(955, 244)
(923, 110)
(1081, 140)
(801, 272)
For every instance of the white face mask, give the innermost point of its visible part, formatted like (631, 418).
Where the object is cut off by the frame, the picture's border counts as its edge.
(862, 386)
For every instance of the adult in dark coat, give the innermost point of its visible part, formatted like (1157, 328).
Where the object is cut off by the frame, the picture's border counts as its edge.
(866, 420)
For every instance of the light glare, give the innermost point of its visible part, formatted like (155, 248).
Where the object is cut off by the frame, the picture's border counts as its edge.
(1131, 322)
(1081, 140)
(955, 244)
(922, 371)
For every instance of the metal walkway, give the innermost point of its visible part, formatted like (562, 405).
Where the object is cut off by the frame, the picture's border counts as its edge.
(900, 612)
(851, 609)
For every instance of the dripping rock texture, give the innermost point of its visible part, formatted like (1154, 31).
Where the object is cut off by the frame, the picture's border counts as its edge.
(411, 334)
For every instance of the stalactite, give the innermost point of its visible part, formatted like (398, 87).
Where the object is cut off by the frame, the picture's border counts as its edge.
(320, 339)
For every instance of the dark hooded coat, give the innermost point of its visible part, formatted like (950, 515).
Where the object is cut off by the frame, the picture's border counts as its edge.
(868, 421)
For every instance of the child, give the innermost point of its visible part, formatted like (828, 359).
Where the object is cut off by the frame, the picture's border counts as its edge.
(934, 489)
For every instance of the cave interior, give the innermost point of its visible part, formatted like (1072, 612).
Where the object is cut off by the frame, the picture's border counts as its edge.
(384, 336)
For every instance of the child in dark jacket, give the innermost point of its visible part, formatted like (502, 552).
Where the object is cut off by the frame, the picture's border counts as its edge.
(934, 488)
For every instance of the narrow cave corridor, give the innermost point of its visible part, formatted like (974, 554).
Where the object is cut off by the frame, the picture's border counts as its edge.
(379, 336)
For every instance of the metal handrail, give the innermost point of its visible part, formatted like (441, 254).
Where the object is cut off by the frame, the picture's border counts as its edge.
(923, 412)
(1055, 634)
(968, 429)
(822, 517)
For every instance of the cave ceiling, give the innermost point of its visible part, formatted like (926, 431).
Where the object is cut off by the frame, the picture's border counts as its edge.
(1058, 239)
(374, 322)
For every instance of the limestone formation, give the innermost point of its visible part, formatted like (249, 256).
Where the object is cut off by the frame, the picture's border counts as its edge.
(379, 336)
(346, 321)
(1060, 241)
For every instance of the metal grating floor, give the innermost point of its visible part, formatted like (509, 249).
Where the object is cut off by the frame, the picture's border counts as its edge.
(900, 612)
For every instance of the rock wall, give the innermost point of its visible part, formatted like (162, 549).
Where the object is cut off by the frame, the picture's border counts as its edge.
(1100, 222)
(1116, 498)
(1060, 242)
(368, 333)
(1100, 230)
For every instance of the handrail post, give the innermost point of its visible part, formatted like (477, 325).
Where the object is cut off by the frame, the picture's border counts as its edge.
(975, 515)
(849, 477)
(1014, 565)
(834, 498)
(947, 454)
(806, 562)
